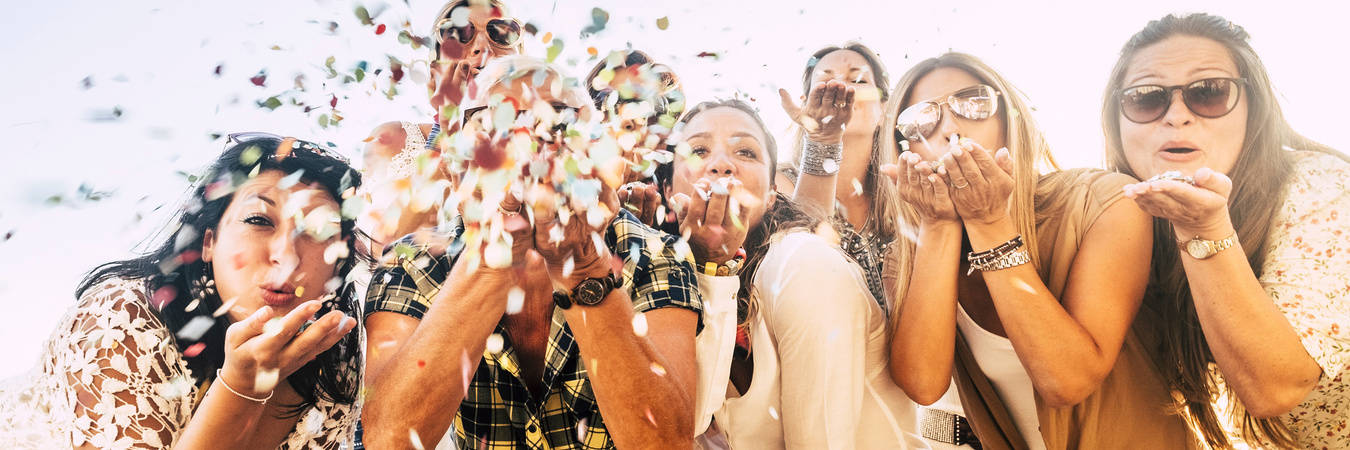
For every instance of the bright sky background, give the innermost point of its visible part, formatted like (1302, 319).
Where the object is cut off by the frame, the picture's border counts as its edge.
(155, 61)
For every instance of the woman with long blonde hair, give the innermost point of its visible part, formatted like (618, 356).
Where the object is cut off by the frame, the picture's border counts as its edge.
(1041, 341)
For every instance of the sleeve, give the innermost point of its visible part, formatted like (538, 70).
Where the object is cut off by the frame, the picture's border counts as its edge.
(657, 274)
(715, 346)
(128, 387)
(408, 285)
(818, 314)
(1307, 259)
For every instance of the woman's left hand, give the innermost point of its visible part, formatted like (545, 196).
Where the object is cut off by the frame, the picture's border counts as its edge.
(1199, 210)
(981, 183)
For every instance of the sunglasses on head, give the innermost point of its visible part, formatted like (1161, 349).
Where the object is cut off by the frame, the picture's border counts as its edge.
(1209, 98)
(295, 144)
(918, 121)
(502, 32)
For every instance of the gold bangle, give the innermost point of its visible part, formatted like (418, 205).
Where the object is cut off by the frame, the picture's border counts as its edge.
(245, 397)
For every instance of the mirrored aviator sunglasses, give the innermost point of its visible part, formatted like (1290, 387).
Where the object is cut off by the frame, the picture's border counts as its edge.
(295, 145)
(1209, 98)
(918, 121)
(502, 32)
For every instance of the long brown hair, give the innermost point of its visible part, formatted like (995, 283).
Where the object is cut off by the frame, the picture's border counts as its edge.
(884, 216)
(1263, 168)
(782, 216)
(1027, 145)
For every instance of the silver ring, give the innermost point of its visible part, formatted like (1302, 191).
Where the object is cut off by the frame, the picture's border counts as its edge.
(504, 211)
(840, 104)
(967, 183)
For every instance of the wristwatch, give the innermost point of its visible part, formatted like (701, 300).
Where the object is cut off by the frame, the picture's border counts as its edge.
(589, 292)
(1202, 249)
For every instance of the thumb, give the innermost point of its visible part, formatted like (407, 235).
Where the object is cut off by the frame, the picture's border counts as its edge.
(1209, 179)
(892, 171)
(789, 105)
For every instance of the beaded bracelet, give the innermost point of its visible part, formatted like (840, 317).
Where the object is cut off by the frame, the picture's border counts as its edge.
(227, 386)
(1001, 249)
(821, 159)
(1014, 258)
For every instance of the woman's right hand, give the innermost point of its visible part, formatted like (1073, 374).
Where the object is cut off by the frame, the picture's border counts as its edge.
(921, 187)
(714, 229)
(263, 349)
(828, 107)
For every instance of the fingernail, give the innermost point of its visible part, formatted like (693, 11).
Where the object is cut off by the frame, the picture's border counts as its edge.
(956, 151)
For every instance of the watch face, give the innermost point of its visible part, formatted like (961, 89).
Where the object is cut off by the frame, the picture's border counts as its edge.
(590, 292)
(1198, 249)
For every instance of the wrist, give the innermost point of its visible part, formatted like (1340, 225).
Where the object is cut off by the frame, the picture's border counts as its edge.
(598, 267)
(1211, 232)
(987, 235)
(830, 137)
(242, 386)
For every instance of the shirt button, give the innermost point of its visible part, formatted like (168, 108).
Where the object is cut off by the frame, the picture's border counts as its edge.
(532, 428)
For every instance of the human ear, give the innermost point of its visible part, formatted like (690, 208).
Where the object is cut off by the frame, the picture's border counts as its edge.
(208, 245)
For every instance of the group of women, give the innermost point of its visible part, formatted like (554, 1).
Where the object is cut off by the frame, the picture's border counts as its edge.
(1204, 306)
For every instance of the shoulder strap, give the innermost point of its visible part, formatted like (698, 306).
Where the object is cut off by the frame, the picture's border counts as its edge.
(990, 420)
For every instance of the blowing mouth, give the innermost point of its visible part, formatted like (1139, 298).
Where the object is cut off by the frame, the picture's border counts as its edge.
(1179, 150)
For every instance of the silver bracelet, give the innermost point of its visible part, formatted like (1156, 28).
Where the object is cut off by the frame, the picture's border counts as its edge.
(245, 397)
(1017, 257)
(821, 159)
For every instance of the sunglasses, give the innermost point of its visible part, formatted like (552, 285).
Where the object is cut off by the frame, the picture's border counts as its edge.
(918, 121)
(502, 32)
(1209, 98)
(296, 144)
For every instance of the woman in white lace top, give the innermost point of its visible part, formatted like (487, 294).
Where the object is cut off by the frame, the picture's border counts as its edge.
(152, 357)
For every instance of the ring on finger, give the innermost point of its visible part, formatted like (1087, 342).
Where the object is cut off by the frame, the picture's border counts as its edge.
(840, 104)
(509, 213)
(962, 184)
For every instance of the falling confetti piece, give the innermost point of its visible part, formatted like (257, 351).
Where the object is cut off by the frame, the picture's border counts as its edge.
(421, 363)
(592, 51)
(163, 296)
(663, 23)
(548, 37)
(857, 187)
(379, 29)
(651, 418)
(658, 370)
(495, 343)
(194, 349)
(195, 328)
(515, 300)
(266, 379)
(259, 79)
(640, 324)
(416, 441)
(773, 413)
(712, 55)
(272, 327)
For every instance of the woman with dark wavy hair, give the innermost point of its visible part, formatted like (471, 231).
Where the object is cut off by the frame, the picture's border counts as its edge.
(232, 333)
(1250, 259)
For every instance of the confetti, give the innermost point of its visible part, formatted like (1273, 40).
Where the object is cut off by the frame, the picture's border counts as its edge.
(272, 327)
(773, 413)
(194, 349)
(379, 29)
(195, 328)
(515, 300)
(495, 343)
(663, 23)
(640, 324)
(266, 379)
(857, 187)
(658, 370)
(163, 296)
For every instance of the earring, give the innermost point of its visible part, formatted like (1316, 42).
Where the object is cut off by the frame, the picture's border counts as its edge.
(203, 287)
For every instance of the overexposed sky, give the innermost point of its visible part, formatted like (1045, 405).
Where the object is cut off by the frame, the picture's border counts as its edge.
(155, 62)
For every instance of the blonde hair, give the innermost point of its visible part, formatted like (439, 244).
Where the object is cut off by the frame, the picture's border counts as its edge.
(1027, 145)
(1262, 170)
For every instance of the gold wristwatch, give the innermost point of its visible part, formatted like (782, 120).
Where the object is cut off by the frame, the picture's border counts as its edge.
(1202, 249)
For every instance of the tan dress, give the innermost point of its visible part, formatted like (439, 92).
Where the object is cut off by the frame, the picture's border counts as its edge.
(1130, 408)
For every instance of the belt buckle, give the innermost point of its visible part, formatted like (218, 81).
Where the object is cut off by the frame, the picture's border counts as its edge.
(946, 427)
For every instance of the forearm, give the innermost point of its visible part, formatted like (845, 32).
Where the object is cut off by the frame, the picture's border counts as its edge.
(1064, 360)
(1256, 348)
(639, 392)
(443, 352)
(924, 340)
(222, 420)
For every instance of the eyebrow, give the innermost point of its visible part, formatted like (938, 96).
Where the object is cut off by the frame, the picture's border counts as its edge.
(259, 196)
(1145, 75)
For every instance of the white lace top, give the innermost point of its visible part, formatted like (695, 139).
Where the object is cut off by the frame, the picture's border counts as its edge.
(111, 376)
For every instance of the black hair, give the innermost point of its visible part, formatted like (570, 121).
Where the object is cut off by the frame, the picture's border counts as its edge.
(335, 374)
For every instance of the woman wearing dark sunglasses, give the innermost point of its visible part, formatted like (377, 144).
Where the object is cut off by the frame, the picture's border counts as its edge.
(1250, 257)
(1041, 339)
(234, 332)
(465, 36)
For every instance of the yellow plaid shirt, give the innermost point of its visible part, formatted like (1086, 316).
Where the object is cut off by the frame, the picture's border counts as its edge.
(499, 412)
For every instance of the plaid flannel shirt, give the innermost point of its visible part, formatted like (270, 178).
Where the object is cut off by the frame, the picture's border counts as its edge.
(499, 412)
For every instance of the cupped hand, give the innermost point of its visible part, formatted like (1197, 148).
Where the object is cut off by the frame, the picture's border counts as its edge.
(922, 189)
(716, 221)
(1200, 210)
(572, 240)
(263, 348)
(828, 107)
(642, 200)
(981, 183)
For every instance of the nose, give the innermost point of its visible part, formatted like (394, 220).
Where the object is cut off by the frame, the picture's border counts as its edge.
(479, 49)
(719, 166)
(1178, 113)
(282, 249)
(945, 128)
